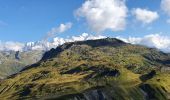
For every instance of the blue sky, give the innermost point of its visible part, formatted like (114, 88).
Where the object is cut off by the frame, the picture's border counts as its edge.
(30, 20)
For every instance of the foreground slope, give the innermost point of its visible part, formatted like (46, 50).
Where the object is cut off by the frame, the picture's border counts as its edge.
(104, 69)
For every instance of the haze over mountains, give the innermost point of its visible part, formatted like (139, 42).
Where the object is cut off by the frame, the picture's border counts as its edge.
(12, 62)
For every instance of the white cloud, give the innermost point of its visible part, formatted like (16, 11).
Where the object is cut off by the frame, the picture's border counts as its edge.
(45, 45)
(144, 15)
(60, 29)
(59, 41)
(153, 40)
(84, 36)
(14, 46)
(39, 45)
(102, 15)
(165, 5)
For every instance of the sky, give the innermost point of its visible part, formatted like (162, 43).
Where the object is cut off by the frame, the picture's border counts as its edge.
(23, 21)
(30, 20)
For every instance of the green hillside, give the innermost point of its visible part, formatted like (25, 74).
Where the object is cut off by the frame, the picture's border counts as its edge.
(104, 69)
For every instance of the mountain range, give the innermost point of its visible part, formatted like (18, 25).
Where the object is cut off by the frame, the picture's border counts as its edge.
(102, 69)
(12, 62)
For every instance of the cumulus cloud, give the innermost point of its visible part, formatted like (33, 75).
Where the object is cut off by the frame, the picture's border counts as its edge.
(165, 5)
(82, 37)
(144, 15)
(59, 29)
(153, 40)
(104, 15)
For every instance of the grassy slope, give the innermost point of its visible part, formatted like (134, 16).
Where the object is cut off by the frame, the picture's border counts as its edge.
(79, 69)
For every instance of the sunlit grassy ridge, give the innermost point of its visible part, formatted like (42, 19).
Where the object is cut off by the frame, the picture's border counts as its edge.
(105, 68)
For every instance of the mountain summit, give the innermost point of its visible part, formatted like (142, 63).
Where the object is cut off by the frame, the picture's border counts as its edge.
(103, 69)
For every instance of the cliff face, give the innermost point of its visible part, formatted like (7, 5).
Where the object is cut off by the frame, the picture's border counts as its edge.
(104, 69)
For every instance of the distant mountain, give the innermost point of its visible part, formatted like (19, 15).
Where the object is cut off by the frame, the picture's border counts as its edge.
(13, 61)
(103, 69)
